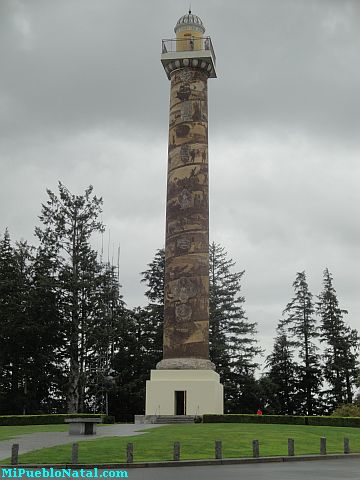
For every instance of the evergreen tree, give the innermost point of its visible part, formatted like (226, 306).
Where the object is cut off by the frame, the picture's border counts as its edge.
(154, 278)
(16, 332)
(45, 339)
(140, 342)
(105, 336)
(141, 351)
(219, 269)
(282, 373)
(29, 345)
(11, 319)
(232, 340)
(341, 344)
(267, 398)
(301, 325)
(68, 223)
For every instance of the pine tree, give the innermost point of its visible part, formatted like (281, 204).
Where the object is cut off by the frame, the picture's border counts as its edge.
(140, 343)
(129, 397)
(105, 335)
(154, 278)
(301, 325)
(68, 223)
(143, 351)
(219, 269)
(44, 373)
(29, 345)
(232, 340)
(153, 313)
(282, 373)
(341, 344)
(9, 323)
(16, 332)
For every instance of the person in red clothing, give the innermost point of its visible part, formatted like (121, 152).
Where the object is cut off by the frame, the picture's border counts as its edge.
(259, 412)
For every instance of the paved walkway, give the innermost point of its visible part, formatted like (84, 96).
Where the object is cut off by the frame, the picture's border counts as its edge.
(35, 441)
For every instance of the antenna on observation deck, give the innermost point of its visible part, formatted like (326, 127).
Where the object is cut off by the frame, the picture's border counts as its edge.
(118, 264)
(102, 245)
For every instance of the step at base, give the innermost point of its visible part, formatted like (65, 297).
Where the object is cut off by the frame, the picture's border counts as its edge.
(165, 419)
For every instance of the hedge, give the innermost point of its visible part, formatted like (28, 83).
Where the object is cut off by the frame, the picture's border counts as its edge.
(284, 419)
(10, 420)
(335, 421)
(243, 418)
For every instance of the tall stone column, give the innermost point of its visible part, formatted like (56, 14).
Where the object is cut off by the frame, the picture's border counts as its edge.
(186, 322)
(185, 382)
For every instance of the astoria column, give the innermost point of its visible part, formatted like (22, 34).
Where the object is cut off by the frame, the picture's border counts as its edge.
(185, 379)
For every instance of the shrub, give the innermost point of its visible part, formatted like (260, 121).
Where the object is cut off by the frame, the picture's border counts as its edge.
(247, 418)
(108, 418)
(347, 410)
(284, 419)
(335, 421)
(11, 420)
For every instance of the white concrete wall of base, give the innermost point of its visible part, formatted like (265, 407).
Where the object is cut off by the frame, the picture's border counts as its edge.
(204, 392)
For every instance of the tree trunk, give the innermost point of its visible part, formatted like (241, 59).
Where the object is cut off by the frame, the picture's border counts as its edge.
(309, 409)
(74, 374)
(348, 388)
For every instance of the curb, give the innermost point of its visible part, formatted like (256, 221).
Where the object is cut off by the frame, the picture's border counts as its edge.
(191, 463)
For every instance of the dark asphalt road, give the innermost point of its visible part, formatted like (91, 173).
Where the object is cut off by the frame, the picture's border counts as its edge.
(348, 469)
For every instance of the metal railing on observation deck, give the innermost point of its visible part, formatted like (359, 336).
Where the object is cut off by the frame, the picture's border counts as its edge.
(191, 44)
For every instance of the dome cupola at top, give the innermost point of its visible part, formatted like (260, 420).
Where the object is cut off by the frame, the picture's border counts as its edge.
(190, 48)
(189, 21)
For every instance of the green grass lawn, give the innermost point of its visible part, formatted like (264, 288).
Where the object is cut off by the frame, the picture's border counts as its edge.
(197, 442)
(6, 433)
(10, 432)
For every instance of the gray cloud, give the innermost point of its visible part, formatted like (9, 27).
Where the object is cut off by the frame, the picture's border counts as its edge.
(85, 63)
(84, 100)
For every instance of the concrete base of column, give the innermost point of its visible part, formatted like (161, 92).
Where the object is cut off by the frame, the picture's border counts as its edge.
(185, 364)
(203, 392)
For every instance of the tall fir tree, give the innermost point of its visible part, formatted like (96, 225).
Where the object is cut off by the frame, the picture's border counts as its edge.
(341, 344)
(61, 312)
(233, 346)
(12, 304)
(282, 371)
(46, 378)
(140, 342)
(154, 279)
(29, 346)
(105, 336)
(300, 322)
(68, 224)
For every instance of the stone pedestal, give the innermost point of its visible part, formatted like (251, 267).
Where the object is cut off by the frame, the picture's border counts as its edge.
(203, 392)
(82, 426)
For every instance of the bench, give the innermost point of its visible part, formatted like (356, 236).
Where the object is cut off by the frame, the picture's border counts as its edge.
(82, 426)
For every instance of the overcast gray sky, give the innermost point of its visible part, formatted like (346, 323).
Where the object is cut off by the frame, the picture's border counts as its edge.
(84, 100)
